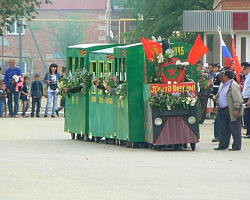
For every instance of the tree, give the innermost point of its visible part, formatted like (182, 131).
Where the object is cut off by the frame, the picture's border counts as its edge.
(67, 33)
(12, 10)
(163, 18)
(118, 2)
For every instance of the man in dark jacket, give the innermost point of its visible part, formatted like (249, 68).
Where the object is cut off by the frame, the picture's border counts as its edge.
(230, 102)
(204, 91)
(37, 94)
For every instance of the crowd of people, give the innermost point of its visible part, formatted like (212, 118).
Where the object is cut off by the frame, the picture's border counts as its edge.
(13, 86)
(231, 101)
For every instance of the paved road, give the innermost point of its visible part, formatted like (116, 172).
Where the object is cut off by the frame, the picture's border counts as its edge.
(39, 161)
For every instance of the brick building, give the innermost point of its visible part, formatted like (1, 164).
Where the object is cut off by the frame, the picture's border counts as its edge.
(231, 5)
(58, 25)
(229, 15)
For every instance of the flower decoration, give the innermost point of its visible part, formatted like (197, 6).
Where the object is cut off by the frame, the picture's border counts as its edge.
(109, 80)
(122, 93)
(82, 79)
(167, 101)
(203, 79)
(181, 65)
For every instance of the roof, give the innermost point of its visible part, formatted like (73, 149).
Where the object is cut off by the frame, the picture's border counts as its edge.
(75, 5)
(86, 45)
(208, 21)
(108, 50)
(129, 45)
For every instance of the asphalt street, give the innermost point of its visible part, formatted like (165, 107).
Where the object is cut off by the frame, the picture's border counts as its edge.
(39, 161)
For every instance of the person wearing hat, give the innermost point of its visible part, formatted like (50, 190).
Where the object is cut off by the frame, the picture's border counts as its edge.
(246, 95)
(216, 79)
(36, 94)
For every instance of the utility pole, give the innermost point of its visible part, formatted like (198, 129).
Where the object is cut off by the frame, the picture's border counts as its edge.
(19, 28)
(2, 53)
(37, 46)
(108, 18)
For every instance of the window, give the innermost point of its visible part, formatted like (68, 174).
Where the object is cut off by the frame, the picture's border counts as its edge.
(116, 67)
(76, 63)
(14, 28)
(81, 63)
(121, 70)
(109, 67)
(124, 69)
(210, 42)
(100, 72)
(26, 69)
(70, 63)
(93, 71)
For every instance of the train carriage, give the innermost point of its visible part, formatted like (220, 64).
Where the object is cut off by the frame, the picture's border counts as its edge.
(127, 116)
(77, 106)
(101, 106)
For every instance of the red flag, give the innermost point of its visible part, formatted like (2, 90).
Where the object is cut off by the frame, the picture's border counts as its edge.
(149, 45)
(237, 64)
(199, 49)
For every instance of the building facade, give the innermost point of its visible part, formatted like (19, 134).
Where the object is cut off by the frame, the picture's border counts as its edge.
(58, 25)
(232, 16)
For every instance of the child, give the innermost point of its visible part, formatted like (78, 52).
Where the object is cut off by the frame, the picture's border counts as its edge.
(25, 95)
(3, 96)
(1, 76)
(37, 94)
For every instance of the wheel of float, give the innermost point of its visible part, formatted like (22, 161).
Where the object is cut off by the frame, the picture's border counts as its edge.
(73, 136)
(116, 141)
(86, 138)
(145, 145)
(185, 145)
(78, 136)
(120, 142)
(158, 148)
(150, 146)
(193, 145)
(133, 144)
(97, 139)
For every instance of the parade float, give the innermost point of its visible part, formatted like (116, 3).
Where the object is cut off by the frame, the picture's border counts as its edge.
(170, 99)
(156, 104)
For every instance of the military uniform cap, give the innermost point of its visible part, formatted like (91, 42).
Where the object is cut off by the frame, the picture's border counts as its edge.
(245, 65)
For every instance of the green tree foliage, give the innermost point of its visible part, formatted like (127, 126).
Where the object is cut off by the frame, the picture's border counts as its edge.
(12, 10)
(118, 2)
(163, 18)
(67, 33)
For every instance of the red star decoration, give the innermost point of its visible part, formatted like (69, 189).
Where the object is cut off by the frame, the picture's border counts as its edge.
(172, 71)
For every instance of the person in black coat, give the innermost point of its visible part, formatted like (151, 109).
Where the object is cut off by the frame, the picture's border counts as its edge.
(25, 95)
(37, 94)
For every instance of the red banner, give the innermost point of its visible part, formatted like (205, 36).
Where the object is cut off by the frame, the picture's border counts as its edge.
(199, 49)
(173, 88)
(237, 64)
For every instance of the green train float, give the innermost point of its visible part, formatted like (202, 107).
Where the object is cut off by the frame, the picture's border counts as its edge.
(154, 106)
